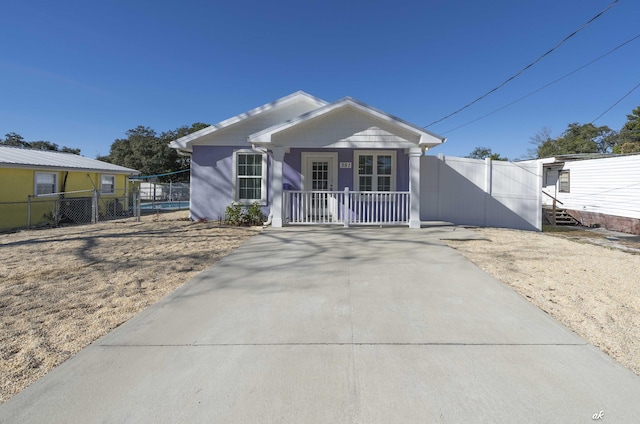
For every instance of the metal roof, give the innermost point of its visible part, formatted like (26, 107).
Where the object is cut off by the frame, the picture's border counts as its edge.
(16, 157)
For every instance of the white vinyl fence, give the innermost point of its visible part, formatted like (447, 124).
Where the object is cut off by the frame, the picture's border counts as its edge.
(481, 192)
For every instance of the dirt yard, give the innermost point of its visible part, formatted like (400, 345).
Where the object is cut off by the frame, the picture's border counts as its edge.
(61, 289)
(582, 279)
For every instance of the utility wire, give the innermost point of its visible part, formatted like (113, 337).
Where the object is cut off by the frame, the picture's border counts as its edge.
(545, 86)
(613, 105)
(143, 177)
(525, 68)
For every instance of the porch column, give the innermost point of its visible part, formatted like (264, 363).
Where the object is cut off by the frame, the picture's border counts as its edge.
(414, 187)
(276, 186)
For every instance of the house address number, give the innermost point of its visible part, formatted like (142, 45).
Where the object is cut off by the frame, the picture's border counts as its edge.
(345, 165)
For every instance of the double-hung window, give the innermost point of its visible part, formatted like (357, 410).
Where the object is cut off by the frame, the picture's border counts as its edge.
(107, 184)
(250, 177)
(564, 182)
(375, 171)
(46, 183)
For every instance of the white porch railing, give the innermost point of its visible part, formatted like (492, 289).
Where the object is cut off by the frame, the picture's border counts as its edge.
(346, 207)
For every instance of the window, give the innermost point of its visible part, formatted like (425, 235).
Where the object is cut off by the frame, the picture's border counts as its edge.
(375, 171)
(564, 182)
(251, 169)
(107, 184)
(46, 183)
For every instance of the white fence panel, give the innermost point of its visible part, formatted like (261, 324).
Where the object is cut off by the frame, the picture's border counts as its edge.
(481, 192)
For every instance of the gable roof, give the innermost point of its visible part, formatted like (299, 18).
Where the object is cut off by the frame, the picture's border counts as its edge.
(422, 137)
(307, 102)
(16, 157)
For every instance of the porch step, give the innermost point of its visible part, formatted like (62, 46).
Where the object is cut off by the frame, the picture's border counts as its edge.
(561, 217)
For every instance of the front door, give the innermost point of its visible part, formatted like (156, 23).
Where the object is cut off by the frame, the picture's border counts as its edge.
(320, 179)
(550, 184)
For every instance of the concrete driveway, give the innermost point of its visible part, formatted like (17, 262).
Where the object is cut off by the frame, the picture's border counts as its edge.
(333, 325)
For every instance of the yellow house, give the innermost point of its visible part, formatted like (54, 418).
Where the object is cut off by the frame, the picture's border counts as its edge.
(33, 184)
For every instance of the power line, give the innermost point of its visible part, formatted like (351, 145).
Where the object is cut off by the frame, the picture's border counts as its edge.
(546, 85)
(143, 177)
(613, 105)
(511, 78)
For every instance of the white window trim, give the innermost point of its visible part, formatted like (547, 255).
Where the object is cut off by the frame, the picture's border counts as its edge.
(375, 153)
(263, 188)
(114, 184)
(35, 183)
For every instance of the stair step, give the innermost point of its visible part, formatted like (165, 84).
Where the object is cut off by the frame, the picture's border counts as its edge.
(561, 217)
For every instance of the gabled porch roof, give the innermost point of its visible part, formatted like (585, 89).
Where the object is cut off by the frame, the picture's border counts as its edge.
(346, 123)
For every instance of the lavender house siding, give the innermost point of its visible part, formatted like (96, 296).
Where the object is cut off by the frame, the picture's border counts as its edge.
(293, 168)
(345, 175)
(211, 181)
(402, 173)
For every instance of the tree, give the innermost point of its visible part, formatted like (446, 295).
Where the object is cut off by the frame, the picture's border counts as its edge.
(577, 138)
(14, 139)
(149, 153)
(485, 152)
(66, 149)
(538, 139)
(629, 136)
(44, 145)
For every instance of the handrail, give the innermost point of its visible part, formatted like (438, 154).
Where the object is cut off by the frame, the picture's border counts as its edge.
(544, 192)
(553, 215)
(347, 207)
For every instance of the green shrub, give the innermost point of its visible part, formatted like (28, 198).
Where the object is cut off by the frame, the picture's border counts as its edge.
(243, 215)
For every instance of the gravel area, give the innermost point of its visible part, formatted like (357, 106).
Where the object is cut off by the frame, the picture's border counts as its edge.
(586, 281)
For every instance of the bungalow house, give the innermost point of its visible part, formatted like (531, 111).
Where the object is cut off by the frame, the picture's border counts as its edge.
(596, 189)
(305, 161)
(33, 176)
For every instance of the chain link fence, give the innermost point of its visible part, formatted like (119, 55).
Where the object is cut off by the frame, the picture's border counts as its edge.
(156, 196)
(69, 208)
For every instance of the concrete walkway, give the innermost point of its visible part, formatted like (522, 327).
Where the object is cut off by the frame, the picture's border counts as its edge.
(317, 325)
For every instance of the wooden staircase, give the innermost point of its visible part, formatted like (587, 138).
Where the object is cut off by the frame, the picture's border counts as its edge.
(555, 215)
(558, 216)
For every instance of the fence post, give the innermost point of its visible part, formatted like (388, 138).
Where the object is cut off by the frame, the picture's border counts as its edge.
(488, 188)
(136, 196)
(94, 207)
(133, 204)
(28, 212)
(345, 208)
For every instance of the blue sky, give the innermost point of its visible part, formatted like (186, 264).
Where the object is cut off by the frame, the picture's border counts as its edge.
(81, 73)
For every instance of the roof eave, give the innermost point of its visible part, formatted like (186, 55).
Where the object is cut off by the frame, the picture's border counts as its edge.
(186, 142)
(69, 168)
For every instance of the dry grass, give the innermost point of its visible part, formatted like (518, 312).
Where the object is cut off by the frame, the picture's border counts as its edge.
(61, 289)
(583, 280)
